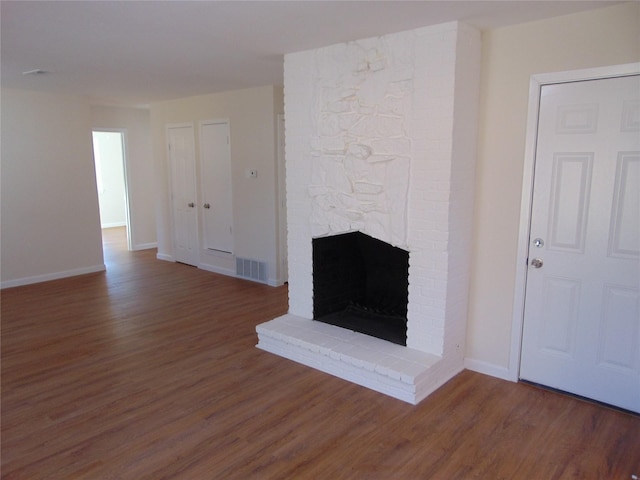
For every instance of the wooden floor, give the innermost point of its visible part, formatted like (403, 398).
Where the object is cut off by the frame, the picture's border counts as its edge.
(150, 371)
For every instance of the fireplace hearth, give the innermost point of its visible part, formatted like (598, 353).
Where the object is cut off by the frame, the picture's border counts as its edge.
(361, 283)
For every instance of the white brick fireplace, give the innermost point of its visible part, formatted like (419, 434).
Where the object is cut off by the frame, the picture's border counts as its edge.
(381, 138)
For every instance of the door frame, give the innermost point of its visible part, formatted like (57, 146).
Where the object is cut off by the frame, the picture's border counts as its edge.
(126, 175)
(535, 86)
(283, 260)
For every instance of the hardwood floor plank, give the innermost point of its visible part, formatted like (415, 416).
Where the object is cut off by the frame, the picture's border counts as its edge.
(150, 371)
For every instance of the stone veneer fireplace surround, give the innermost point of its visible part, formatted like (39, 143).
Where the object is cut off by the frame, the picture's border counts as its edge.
(381, 139)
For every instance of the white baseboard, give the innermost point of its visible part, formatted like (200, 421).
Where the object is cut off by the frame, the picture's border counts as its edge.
(232, 273)
(489, 369)
(52, 276)
(215, 269)
(165, 257)
(144, 246)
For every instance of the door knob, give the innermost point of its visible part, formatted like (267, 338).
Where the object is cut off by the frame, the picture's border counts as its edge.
(536, 262)
(191, 204)
(206, 205)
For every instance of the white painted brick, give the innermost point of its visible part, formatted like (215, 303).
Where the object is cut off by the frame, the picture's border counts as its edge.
(429, 212)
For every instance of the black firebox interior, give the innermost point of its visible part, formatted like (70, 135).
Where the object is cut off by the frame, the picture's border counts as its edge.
(362, 284)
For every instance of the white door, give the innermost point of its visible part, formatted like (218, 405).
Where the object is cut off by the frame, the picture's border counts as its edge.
(183, 194)
(217, 213)
(582, 309)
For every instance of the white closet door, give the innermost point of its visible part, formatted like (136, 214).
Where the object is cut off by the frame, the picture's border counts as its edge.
(183, 194)
(215, 154)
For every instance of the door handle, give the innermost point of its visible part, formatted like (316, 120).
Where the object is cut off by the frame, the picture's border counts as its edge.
(191, 204)
(206, 205)
(537, 263)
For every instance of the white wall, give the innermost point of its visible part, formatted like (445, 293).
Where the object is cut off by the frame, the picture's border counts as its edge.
(141, 168)
(50, 222)
(252, 117)
(510, 56)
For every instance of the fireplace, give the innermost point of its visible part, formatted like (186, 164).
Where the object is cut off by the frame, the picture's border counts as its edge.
(380, 138)
(361, 283)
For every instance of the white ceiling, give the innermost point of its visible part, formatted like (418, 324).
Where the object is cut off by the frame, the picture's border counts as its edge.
(139, 52)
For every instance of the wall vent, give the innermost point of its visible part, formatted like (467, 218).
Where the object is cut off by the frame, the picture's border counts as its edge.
(251, 269)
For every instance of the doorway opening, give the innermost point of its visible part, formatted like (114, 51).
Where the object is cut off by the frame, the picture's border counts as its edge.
(109, 154)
